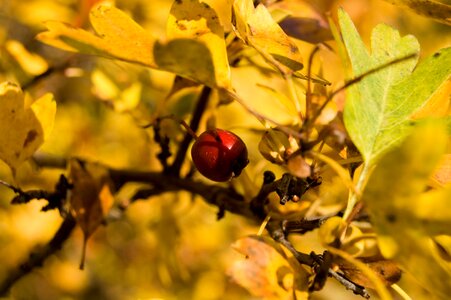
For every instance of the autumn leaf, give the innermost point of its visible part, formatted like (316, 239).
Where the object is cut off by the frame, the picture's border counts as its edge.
(91, 197)
(267, 271)
(440, 12)
(256, 28)
(405, 217)
(196, 20)
(378, 108)
(119, 37)
(307, 29)
(122, 99)
(24, 126)
(31, 63)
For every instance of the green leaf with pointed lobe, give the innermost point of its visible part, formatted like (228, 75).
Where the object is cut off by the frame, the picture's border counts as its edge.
(378, 108)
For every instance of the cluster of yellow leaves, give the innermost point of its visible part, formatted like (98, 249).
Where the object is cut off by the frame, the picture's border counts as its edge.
(194, 46)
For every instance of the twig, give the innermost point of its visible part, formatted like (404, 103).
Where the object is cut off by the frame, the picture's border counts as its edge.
(55, 199)
(174, 169)
(302, 226)
(276, 231)
(163, 141)
(349, 285)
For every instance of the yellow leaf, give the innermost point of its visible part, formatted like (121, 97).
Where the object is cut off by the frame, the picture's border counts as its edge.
(31, 63)
(122, 99)
(23, 127)
(192, 19)
(119, 37)
(91, 197)
(404, 219)
(256, 27)
(439, 105)
(331, 230)
(267, 272)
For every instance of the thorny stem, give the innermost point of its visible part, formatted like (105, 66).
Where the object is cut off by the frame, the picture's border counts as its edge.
(277, 233)
(225, 198)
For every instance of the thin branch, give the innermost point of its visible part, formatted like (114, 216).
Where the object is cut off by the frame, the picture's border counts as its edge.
(349, 285)
(303, 226)
(38, 256)
(174, 169)
(276, 231)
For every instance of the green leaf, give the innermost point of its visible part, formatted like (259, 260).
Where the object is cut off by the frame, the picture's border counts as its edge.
(197, 54)
(378, 108)
(406, 218)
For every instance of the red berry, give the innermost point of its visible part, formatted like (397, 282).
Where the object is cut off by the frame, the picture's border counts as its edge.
(219, 154)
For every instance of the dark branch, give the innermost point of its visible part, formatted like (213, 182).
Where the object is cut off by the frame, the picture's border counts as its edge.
(38, 256)
(316, 262)
(56, 199)
(201, 105)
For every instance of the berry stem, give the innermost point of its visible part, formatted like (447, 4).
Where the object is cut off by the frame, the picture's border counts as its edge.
(188, 129)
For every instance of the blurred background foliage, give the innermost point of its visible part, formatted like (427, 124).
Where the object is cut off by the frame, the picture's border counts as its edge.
(171, 246)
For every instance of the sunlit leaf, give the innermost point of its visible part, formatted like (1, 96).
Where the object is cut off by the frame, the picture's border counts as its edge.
(256, 28)
(267, 272)
(119, 37)
(440, 12)
(31, 63)
(439, 105)
(91, 197)
(122, 99)
(378, 108)
(23, 127)
(405, 218)
(191, 19)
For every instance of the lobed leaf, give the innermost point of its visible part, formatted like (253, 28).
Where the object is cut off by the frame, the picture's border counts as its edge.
(192, 19)
(23, 127)
(117, 36)
(256, 28)
(378, 108)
